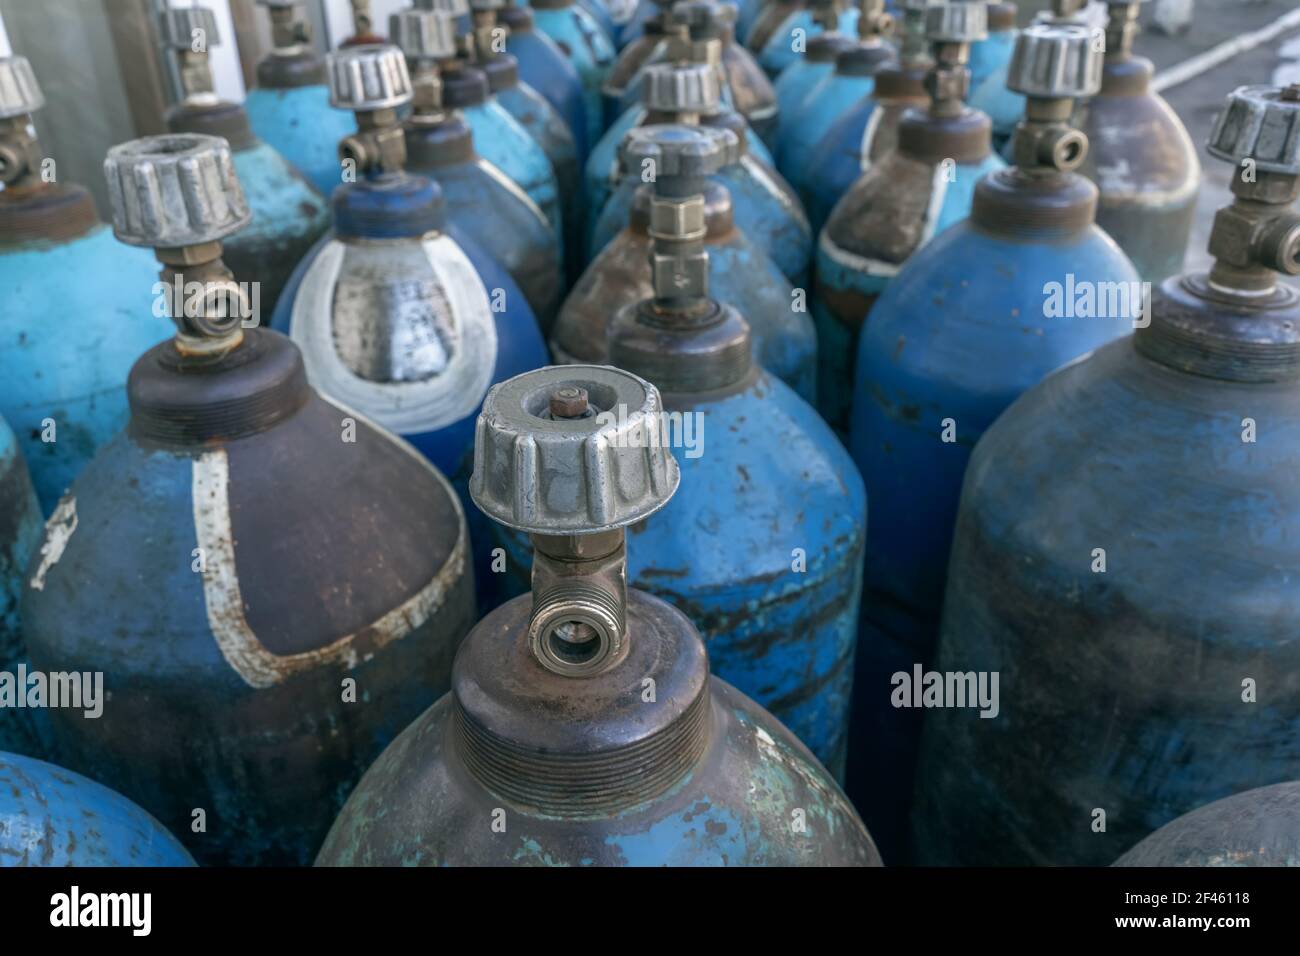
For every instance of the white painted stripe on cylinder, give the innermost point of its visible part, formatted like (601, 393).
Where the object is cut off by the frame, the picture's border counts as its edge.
(868, 138)
(257, 666)
(404, 407)
(513, 188)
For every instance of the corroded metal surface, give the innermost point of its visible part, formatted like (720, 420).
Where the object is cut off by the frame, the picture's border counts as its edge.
(1256, 828)
(234, 604)
(52, 817)
(784, 340)
(745, 792)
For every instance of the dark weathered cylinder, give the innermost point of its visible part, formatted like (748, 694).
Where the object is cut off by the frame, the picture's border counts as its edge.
(1140, 157)
(1256, 828)
(277, 586)
(1123, 557)
(583, 727)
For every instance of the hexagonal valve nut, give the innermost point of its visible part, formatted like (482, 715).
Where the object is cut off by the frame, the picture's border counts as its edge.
(666, 153)
(956, 23)
(1056, 60)
(601, 467)
(20, 94)
(368, 78)
(173, 191)
(423, 34)
(189, 28)
(682, 88)
(1261, 124)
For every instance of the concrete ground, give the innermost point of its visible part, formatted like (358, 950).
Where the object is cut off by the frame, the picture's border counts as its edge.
(1199, 100)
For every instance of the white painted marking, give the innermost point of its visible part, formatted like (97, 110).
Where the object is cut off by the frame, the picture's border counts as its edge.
(404, 407)
(58, 531)
(257, 666)
(1195, 66)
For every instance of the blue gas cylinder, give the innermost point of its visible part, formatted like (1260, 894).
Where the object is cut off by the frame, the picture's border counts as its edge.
(290, 111)
(782, 27)
(585, 45)
(710, 33)
(551, 133)
(989, 63)
(503, 142)
(53, 817)
(1260, 827)
(852, 81)
(966, 325)
(600, 12)
(395, 271)
(993, 54)
(739, 272)
(481, 200)
(1002, 105)
(603, 172)
(583, 717)
(278, 584)
(1143, 163)
(764, 204)
(486, 206)
(763, 207)
(778, 617)
(64, 281)
(868, 128)
(289, 215)
(1192, 583)
(912, 194)
(544, 67)
(20, 516)
(412, 276)
(861, 136)
(797, 80)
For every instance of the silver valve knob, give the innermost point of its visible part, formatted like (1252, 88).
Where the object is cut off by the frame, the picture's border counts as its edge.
(676, 158)
(423, 34)
(20, 94)
(190, 28)
(682, 88)
(1055, 60)
(1260, 124)
(571, 450)
(368, 78)
(956, 23)
(172, 191)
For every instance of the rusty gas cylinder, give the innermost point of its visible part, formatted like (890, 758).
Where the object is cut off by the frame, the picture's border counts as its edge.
(1094, 595)
(278, 586)
(1142, 160)
(583, 727)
